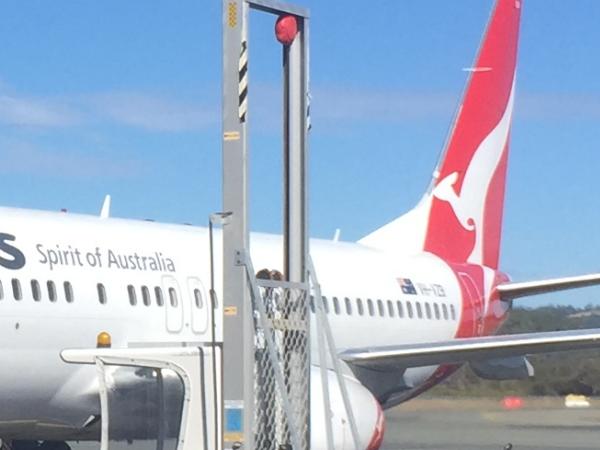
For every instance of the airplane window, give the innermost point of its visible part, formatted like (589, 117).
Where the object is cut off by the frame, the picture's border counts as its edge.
(409, 309)
(198, 298)
(35, 290)
(419, 310)
(16, 287)
(380, 308)
(370, 307)
(390, 308)
(68, 291)
(159, 296)
(325, 304)
(436, 311)
(359, 306)
(145, 296)
(132, 297)
(336, 305)
(445, 311)
(212, 295)
(452, 312)
(1, 291)
(428, 310)
(348, 306)
(101, 293)
(173, 297)
(400, 310)
(51, 290)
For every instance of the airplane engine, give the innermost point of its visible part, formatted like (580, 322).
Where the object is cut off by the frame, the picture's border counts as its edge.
(367, 413)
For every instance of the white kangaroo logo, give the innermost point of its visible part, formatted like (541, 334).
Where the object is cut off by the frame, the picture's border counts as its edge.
(468, 207)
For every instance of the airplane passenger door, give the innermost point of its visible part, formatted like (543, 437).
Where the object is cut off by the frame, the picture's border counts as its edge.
(200, 305)
(173, 304)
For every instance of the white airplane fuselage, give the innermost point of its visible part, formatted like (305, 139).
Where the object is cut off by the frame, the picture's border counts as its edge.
(36, 386)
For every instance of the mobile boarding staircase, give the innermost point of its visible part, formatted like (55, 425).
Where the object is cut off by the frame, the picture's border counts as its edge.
(250, 389)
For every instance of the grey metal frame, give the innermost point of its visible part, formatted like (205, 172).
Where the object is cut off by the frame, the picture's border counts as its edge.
(237, 328)
(238, 324)
(295, 69)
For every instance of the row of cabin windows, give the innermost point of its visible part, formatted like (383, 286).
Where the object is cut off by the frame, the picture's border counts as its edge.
(37, 292)
(50, 290)
(389, 308)
(147, 297)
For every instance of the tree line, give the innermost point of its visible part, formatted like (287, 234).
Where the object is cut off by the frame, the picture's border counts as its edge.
(556, 374)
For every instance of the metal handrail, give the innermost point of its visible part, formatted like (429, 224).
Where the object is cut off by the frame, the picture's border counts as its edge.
(324, 327)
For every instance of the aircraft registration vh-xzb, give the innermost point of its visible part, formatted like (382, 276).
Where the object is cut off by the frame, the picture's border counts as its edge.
(428, 283)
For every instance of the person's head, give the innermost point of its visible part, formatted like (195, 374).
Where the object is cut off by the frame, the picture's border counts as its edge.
(263, 274)
(276, 275)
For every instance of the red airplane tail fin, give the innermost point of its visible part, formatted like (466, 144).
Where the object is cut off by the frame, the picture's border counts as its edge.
(467, 191)
(460, 217)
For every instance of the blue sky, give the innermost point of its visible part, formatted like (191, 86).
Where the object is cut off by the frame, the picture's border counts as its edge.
(124, 98)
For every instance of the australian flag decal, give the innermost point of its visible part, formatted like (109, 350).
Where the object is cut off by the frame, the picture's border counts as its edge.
(407, 286)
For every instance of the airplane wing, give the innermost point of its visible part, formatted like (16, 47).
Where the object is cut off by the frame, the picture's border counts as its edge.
(470, 349)
(510, 291)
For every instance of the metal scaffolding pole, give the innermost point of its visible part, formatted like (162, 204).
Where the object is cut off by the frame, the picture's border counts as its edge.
(244, 346)
(237, 322)
(295, 67)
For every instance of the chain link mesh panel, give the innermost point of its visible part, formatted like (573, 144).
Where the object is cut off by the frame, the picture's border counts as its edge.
(281, 412)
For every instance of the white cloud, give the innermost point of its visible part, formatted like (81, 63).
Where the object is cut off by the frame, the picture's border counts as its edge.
(349, 105)
(152, 112)
(372, 105)
(558, 106)
(24, 157)
(21, 111)
(336, 106)
(149, 111)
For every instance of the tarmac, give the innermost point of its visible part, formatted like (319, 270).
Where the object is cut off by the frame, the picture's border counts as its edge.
(484, 425)
(471, 424)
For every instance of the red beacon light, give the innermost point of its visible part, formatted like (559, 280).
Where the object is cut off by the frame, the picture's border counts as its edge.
(286, 29)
